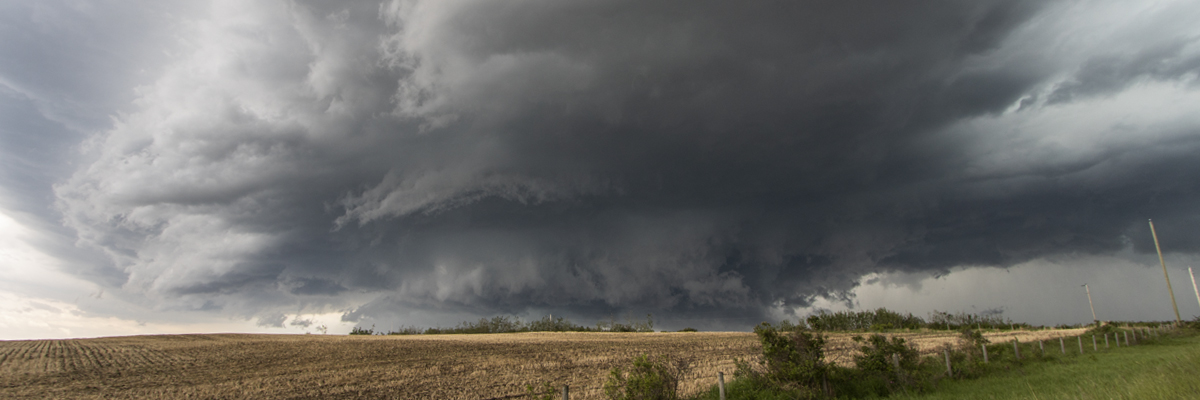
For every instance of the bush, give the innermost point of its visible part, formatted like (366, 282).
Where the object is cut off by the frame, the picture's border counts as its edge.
(1103, 329)
(877, 373)
(973, 338)
(360, 331)
(650, 378)
(877, 353)
(793, 360)
(688, 330)
(795, 356)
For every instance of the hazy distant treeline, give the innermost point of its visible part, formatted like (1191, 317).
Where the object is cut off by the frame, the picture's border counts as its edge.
(883, 319)
(877, 320)
(506, 324)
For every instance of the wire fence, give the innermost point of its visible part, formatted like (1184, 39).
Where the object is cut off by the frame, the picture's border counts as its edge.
(840, 349)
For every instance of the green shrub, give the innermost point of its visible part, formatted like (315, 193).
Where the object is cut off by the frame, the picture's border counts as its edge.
(877, 353)
(689, 329)
(360, 331)
(876, 372)
(793, 360)
(650, 378)
(973, 338)
(1103, 329)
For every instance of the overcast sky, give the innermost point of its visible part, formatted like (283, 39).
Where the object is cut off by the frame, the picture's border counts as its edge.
(275, 166)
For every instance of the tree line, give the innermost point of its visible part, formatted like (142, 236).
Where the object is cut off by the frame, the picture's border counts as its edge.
(507, 324)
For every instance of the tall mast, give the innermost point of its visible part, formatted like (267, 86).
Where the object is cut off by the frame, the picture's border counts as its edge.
(1164, 267)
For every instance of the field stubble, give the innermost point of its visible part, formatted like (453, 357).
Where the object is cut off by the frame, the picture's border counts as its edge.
(409, 367)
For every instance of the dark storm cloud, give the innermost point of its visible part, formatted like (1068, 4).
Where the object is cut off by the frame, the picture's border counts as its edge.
(275, 320)
(690, 158)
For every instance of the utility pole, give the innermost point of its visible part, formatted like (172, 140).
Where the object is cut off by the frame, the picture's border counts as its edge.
(1089, 293)
(1194, 284)
(1170, 291)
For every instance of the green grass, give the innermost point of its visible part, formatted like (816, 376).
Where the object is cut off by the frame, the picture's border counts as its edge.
(1168, 369)
(1158, 369)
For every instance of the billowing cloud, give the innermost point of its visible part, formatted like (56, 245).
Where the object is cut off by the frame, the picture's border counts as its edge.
(687, 157)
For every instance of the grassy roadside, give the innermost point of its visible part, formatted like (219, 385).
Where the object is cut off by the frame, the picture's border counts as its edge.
(1164, 370)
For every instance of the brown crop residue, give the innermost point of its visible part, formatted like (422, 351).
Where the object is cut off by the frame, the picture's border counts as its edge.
(409, 367)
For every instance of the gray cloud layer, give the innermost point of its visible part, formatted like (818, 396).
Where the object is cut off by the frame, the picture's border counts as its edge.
(689, 158)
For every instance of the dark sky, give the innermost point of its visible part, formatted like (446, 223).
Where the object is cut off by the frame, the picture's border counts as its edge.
(715, 163)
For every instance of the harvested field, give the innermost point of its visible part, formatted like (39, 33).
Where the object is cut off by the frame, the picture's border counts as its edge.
(409, 367)
(840, 348)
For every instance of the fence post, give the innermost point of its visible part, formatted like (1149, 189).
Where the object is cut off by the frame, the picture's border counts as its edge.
(1094, 346)
(949, 371)
(1016, 350)
(1134, 335)
(566, 392)
(1126, 334)
(1106, 340)
(896, 361)
(1117, 338)
(1042, 346)
(984, 346)
(1062, 344)
(1080, 337)
(721, 384)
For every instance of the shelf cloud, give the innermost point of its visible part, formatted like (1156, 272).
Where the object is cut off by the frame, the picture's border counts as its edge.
(687, 158)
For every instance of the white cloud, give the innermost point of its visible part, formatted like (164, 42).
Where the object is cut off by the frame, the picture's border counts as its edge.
(24, 317)
(38, 301)
(1088, 140)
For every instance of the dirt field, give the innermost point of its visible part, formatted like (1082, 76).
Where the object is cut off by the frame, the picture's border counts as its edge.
(407, 367)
